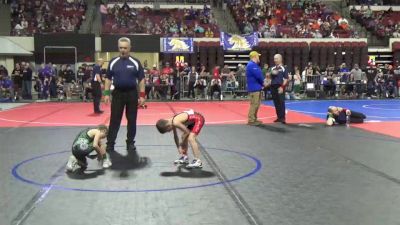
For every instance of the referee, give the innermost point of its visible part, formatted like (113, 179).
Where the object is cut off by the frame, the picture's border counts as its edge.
(96, 86)
(125, 72)
(279, 80)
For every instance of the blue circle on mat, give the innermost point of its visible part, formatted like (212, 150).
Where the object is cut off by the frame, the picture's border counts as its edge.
(256, 169)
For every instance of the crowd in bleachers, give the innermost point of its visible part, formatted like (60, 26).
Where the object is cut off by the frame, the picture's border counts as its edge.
(188, 22)
(44, 16)
(381, 23)
(288, 19)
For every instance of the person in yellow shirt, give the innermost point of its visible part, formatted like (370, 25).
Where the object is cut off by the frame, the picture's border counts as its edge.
(209, 33)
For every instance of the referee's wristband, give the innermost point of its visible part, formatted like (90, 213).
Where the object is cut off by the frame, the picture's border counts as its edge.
(142, 94)
(106, 92)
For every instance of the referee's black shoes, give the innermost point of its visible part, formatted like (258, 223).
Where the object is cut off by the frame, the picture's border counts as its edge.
(280, 120)
(130, 146)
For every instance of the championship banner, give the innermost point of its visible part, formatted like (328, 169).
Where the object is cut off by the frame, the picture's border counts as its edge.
(178, 45)
(238, 42)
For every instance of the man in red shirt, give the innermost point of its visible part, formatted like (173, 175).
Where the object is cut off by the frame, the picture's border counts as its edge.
(172, 78)
(167, 69)
(155, 76)
(216, 83)
(216, 74)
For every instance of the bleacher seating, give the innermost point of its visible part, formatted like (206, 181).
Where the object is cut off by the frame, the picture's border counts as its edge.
(289, 20)
(166, 22)
(381, 23)
(44, 16)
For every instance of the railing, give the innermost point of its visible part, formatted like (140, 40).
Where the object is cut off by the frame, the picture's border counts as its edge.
(206, 88)
(163, 1)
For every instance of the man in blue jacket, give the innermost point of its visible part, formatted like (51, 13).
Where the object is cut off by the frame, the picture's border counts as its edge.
(255, 83)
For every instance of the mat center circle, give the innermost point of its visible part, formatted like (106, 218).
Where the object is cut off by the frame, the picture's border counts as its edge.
(149, 170)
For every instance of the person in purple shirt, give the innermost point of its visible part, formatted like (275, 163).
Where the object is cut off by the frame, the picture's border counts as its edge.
(6, 87)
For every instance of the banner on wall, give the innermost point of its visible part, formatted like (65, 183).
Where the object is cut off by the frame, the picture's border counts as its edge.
(233, 42)
(178, 45)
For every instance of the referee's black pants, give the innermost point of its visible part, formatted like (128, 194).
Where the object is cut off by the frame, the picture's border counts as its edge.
(121, 99)
(96, 92)
(279, 101)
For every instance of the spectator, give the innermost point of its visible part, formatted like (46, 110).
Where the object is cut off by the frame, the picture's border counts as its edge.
(296, 82)
(3, 71)
(216, 73)
(148, 84)
(232, 84)
(17, 80)
(241, 71)
(171, 79)
(164, 84)
(96, 85)
(26, 81)
(69, 79)
(6, 88)
(391, 86)
(38, 87)
(203, 72)
(215, 86)
(209, 33)
(345, 77)
(156, 81)
(380, 84)
(41, 73)
(80, 74)
(103, 12)
(224, 76)
(371, 75)
(329, 81)
(356, 76)
(60, 89)
(193, 76)
(201, 85)
(265, 70)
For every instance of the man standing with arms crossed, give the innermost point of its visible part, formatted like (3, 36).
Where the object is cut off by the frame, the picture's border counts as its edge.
(125, 72)
(255, 83)
(279, 80)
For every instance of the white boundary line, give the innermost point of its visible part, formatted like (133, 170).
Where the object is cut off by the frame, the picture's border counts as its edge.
(368, 107)
(140, 124)
(33, 105)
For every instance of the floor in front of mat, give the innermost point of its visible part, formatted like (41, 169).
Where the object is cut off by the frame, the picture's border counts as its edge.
(300, 173)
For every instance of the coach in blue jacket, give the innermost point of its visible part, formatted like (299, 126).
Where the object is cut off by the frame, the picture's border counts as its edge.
(255, 83)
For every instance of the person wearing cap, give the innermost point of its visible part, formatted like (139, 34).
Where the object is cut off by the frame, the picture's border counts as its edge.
(125, 72)
(255, 83)
(279, 80)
